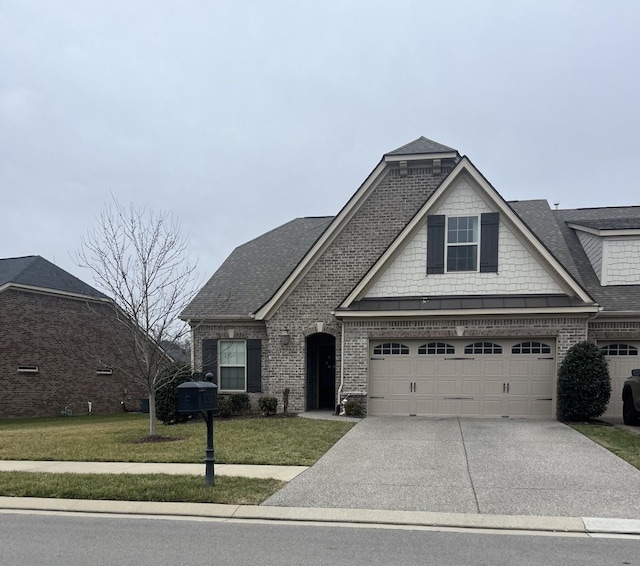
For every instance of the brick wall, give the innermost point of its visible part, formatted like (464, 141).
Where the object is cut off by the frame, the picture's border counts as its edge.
(67, 339)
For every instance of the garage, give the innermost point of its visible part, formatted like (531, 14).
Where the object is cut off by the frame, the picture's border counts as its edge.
(471, 377)
(622, 357)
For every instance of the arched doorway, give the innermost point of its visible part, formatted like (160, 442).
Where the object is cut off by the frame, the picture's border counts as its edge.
(321, 371)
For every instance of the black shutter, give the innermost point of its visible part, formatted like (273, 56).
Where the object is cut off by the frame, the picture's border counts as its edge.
(254, 366)
(435, 243)
(210, 357)
(489, 224)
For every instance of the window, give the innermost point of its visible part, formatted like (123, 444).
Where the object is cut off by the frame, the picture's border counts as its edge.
(233, 362)
(28, 368)
(104, 370)
(436, 348)
(483, 348)
(391, 348)
(462, 243)
(620, 350)
(531, 348)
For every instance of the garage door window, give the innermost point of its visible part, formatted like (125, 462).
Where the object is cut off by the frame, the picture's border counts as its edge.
(531, 348)
(391, 348)
(436, 349)
(483, 348)
(620, 350)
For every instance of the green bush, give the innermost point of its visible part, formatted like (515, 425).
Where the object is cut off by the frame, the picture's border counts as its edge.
(353, 409)
(225, 407)
(268, 405)
(240, 403)
(167, 393)
(584, 385)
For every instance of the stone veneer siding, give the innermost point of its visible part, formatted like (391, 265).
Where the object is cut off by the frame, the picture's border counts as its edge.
(67, 339)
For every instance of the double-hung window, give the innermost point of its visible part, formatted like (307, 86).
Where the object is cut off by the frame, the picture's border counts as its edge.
(462, 243)
(233, 365)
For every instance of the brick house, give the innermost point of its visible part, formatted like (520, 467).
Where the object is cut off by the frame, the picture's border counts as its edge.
(427, 294)
(62, 344)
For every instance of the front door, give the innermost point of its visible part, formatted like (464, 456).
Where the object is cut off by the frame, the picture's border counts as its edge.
(321, 371)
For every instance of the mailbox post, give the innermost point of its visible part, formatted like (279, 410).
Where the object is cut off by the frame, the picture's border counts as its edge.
(201, 397)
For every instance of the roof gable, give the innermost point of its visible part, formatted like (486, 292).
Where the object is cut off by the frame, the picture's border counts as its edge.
(494, 202)
(35, 272)
(520, 272)
(420, 150)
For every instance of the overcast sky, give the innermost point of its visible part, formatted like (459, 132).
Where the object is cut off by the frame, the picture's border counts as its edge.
(238, 116)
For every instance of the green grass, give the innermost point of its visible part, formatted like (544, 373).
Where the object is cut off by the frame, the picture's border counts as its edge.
(621, 442)
(117, 438)
(127, 487)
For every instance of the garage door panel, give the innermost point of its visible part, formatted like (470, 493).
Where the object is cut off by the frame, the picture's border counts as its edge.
(471, 387)
(620, 367)
(446, 386)
(482, 384)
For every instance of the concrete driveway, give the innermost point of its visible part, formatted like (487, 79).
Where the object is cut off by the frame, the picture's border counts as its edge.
(456, 465)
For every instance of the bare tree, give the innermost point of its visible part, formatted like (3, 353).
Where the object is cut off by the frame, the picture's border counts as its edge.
(138, 258)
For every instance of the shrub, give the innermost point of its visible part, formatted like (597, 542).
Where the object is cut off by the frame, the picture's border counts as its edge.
(167, 393)
(268, 405)
(225, 407)
(240, 403)
(584, 385)
(353, 409)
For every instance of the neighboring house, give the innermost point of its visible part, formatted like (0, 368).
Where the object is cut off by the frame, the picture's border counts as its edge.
(428, 294)
(62, 344)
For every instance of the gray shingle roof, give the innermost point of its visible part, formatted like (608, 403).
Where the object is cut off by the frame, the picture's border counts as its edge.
(611, 297)
(35, 271)
(255, 271)
(421, 145)
(609, 223)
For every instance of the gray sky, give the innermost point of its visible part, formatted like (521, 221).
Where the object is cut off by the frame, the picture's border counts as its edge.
(238, 116)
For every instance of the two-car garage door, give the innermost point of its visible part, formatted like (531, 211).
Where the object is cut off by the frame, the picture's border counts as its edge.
(462, 377)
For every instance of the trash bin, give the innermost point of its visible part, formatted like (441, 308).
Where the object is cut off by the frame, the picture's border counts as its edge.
(144, 405)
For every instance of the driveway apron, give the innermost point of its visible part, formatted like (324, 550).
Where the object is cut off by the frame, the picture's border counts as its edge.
(456, 465)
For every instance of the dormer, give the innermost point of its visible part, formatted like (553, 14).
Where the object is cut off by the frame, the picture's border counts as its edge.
(613, 248)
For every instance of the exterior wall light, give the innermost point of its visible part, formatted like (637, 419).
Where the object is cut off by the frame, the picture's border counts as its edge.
(284, 337)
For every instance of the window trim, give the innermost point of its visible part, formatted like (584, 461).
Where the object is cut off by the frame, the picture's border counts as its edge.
(535, 347)
(424, 349)
(484, 346)
(387, 349)
(620, 352)
(221, 366)
(448, 245)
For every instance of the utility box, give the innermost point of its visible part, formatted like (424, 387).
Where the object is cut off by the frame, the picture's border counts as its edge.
(194, 396)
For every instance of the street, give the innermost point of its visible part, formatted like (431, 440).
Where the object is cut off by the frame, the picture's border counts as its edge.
(43, 539)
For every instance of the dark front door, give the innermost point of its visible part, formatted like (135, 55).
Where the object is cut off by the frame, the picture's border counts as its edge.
(321, 371)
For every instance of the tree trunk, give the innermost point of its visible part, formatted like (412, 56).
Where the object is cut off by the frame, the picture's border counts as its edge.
(152, 412)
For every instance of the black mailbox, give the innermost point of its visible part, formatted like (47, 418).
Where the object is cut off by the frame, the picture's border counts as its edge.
(194, 396)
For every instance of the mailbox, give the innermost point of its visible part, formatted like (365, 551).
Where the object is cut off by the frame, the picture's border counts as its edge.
(194, 396)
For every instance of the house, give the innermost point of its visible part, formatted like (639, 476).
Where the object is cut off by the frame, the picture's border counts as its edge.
(62, 345)
(427, 294)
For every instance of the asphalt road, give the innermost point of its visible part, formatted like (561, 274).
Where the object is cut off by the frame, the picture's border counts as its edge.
(42, 539)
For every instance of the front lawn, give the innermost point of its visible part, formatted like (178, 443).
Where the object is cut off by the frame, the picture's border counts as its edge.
(121, 438)
(143, 487)
(621, 442)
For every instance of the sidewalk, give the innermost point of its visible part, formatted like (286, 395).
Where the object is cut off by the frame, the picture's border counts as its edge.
(587, 526)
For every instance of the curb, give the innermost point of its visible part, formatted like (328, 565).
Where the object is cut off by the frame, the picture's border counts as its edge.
(584, 525)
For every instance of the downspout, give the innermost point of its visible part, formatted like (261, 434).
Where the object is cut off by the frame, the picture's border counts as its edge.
(338, 405)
